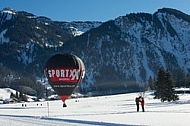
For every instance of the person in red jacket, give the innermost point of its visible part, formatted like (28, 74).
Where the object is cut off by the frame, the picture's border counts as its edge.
(142, 103)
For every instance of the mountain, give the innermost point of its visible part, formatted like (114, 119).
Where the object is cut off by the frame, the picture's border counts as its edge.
(120, 55)
(125, 53)
(79, 27)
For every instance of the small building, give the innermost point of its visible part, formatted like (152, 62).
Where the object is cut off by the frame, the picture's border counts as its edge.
(182, 90)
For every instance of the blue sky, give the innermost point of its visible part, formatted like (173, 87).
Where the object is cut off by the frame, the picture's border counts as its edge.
(92, 10)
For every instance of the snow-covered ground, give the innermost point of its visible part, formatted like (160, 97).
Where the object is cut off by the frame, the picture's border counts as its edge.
(115, 110)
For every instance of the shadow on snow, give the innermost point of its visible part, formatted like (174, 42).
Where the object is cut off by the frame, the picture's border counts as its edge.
(69, 120)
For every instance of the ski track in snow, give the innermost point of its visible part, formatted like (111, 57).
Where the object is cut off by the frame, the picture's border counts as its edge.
(11, 120)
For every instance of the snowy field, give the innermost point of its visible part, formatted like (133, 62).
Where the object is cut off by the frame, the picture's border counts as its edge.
(115, 110)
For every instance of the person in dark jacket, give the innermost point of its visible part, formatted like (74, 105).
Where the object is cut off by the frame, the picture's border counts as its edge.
(142, 103)
(137, 103)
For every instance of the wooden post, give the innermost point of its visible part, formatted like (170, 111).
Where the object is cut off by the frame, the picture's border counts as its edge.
(48, 108)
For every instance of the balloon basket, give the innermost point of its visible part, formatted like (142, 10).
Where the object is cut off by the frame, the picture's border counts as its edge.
(64, 105)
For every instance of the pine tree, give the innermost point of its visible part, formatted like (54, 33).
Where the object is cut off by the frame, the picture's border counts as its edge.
(12, 95)
(169, 91)
(187, 81)
(179, 76)
(17, 94)
(159, 84)
(151, 83)
(164, 87)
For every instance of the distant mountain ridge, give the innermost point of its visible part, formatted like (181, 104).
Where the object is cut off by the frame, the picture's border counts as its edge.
(120, 55)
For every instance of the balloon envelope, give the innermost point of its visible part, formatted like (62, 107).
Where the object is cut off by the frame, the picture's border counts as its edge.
(64, 72)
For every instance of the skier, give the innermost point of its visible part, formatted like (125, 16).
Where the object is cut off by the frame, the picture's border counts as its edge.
(137, 103)
(142, 103)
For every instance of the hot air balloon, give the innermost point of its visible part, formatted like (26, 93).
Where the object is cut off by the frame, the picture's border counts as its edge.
(64, 72)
